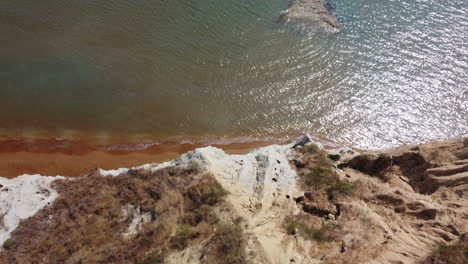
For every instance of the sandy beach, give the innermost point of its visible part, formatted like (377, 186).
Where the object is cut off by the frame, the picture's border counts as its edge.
(77, 157)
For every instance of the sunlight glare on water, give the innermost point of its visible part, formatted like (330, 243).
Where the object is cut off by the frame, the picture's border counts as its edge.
(397, 72)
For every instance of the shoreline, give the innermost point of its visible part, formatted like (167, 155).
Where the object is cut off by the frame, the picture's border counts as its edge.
(411, 195)
(78, 156)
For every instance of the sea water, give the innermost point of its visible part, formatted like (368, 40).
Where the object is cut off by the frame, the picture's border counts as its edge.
(396, 73)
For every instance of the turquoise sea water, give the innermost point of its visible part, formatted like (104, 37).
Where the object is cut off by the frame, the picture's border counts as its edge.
(397, 72)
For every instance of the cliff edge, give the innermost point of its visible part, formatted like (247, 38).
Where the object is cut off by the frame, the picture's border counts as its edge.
(305, 202)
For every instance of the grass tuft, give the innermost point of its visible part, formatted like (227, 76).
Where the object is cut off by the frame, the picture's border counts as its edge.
(230, 242)
(214, 194)
(311, 148)
(449, 254)
(194, 166)
(323, 176)
(183, 234)
(320, 235)
(153, 259)
(340, 188)
(8, 244)
(320, 174)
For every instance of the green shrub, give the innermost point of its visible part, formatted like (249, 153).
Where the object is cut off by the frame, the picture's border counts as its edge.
(320, 174)
(311, 148)
(450, 254)
(7, 244)
(183, 234)
(214, 194)
(153, 259)
(194, 166)
(197, 215)
(291, 226)
(206, 213)
(322, 234)
(340, 187)
(2, 224)
(209, 192)
(230, 241)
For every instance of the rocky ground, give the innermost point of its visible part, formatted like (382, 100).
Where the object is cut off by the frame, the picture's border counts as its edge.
(312, 12)
(305, 202)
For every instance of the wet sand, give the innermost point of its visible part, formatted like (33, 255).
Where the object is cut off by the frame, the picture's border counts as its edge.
(77, 157)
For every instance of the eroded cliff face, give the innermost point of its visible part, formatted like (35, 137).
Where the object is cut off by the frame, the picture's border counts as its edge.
(305, 202)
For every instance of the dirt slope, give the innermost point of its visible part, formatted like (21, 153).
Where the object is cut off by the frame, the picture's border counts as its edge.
(297, 203)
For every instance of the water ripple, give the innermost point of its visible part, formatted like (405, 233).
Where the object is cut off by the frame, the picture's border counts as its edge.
(397, 72)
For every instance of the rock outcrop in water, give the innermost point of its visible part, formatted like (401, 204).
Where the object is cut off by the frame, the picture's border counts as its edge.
(310, 12)
(300, 203)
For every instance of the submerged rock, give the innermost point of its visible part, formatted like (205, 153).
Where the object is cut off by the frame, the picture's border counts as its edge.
(310, 12)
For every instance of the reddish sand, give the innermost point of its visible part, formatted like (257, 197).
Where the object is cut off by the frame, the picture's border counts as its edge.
(77, 157)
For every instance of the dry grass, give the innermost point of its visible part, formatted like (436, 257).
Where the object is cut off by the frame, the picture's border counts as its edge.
(449, 254)
(2, 224)
(340, 188)
(320, 176)
(311, 148)
(325, 233)
(323, 189)
(153, 259)
(228, 245)
(7, 244)
(180, 240)
(85, 224)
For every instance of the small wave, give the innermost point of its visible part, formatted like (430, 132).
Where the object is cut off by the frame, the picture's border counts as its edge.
(138, 146)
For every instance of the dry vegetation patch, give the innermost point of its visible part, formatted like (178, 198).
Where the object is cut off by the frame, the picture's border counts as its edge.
(326, 232)
(323, 190)
(87, 222)
(318, 175)
(449, 254)
(227, 245)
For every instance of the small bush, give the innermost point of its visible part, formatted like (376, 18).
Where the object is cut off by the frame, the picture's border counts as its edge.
(2, 224)
(449, 254)
(194, 166)
(230, 241)
(203, 213)
(320, 174)
(7, 244)
(183, 234)
(292, 226)
(153, 259)
(214, 194)
(322, 234)
(311, 148)
(340, 187)
(206, 213)
(208, 193)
